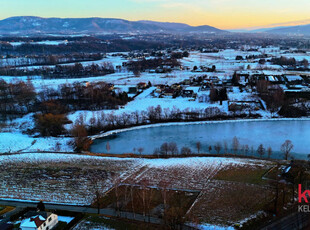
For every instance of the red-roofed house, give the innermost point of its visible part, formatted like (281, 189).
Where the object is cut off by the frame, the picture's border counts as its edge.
(39, 222)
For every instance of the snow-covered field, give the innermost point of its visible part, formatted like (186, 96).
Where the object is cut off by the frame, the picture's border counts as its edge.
(88, 224)
(73, 179)
(144, 100)
(60, 178)
(18, 142)
(51, 43)
(63, 164)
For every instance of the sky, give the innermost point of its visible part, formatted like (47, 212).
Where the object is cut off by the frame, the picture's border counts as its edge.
(223, 14)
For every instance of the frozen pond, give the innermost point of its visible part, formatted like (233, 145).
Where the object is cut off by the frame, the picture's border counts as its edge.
(252, 133)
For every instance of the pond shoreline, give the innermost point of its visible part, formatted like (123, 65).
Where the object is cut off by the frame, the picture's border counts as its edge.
(111, 132)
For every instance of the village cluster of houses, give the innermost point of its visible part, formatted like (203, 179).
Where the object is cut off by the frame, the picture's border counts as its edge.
(293, 84)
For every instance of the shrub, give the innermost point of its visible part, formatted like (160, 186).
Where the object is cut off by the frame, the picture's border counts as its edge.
(51, 124)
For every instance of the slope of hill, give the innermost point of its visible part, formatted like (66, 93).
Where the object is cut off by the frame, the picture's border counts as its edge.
(302, 29)
(288, 30)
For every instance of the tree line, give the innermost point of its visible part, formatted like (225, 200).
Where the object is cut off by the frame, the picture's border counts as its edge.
(30, 60)
(20, 97)
(146, 64)
(61, 71)
(170, 149)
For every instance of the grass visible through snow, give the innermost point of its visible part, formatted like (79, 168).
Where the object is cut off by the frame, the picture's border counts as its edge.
(244, 174)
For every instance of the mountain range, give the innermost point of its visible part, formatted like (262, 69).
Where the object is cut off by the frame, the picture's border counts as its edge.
(36, 25)
(29, 25)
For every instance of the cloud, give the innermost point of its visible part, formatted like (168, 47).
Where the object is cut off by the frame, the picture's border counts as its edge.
(189, 5)
(291, 23)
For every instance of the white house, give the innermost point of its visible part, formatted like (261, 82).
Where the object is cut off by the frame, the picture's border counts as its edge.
(40, 221)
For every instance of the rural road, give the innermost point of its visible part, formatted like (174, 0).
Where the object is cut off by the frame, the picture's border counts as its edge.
(83, 209)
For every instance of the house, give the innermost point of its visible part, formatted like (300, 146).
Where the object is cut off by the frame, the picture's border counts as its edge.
(204, 87)
(160, 88)
(168, 92)
(39, 221)
(142, 85)
(244, 105)
(187, 93)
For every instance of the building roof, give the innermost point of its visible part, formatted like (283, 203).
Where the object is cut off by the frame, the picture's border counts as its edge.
(35, 219)
(33, 222)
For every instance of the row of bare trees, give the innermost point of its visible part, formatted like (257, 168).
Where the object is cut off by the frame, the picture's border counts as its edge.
(31, 60)
(101, 121)
(171, 149)
(159, 198)
(61, 71)
(145, 64)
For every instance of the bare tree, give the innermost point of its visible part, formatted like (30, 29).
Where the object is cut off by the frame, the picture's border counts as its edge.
(269, 152)
(131, 183)
(136, 116)
(235, 144)
(140, 150)
(261, 150)
(151, 114)
(147, 197)
(286, 148)
(167, 113)
(225, 147)
(158, 111)
(218, 147)
(125, 118)
(246, 149)
(186, 151)
(305, 63)
(198, 146)
(144, 116)
(173, 148)
(164, 149)
(116, 182)
(81, 140)
(276, 100)
(164, 188)
(156, 152)
(144, 186)
(97, 201)
(210, 148)
(242, 150)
